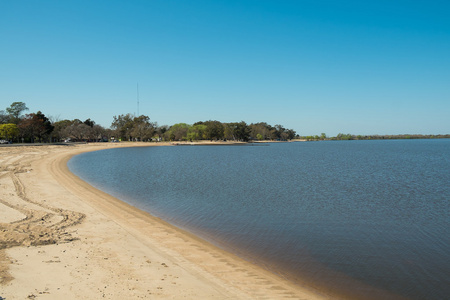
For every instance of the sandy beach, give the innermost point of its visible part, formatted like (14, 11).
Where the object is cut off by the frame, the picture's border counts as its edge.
(62, 238)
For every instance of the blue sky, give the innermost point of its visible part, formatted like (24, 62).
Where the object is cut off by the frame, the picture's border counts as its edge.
(362, 67)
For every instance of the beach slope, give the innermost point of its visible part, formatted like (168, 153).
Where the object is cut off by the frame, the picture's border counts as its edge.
(62, 238)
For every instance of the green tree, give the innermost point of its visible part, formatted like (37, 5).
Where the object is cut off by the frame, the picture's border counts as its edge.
(178, 132)
(290, 134)
(282, 133)
(9, 131)
(261, 129)
(197, 132)
(122, 126)
(238, 131)
(15, 110)
(228, 132)
(242, 131)
(142, 128)
(48, 127)
(342, 136)
(214, 130)
(89, 123)
(160, 131)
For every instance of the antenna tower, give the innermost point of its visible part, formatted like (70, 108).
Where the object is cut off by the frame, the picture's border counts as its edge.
(137, 99)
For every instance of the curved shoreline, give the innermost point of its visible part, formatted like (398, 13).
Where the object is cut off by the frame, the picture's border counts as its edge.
(201, 269)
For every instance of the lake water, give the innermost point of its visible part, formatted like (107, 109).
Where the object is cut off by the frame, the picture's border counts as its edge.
(356, 219)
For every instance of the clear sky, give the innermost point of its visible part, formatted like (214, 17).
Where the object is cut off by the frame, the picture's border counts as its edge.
(361, 67)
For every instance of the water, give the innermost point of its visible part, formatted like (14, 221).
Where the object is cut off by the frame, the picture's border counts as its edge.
(357, 219)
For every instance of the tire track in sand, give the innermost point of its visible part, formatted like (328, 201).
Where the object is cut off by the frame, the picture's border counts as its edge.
(41, 225)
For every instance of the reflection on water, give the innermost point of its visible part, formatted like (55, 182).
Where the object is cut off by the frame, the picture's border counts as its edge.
(361, 219)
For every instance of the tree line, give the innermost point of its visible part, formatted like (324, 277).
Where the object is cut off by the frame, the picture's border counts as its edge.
(16, 126)
(235, 131)
(349, 136)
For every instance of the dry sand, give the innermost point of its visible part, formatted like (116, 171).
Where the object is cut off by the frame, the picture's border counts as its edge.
(60, 238)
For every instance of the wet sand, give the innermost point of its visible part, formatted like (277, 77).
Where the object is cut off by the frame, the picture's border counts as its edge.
(62, 238)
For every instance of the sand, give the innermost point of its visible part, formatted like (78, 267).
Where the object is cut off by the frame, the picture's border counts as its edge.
(60, 238)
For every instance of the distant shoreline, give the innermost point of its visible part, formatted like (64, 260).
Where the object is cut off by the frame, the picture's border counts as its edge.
(213, 143)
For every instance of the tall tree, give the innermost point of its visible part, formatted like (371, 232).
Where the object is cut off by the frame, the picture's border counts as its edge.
(143, 129)
(15, 110)
(261, 131)
(35, 125)
(177, 132)
(89, 123)
(127, 127)
(197, 132)
(239, 131)
(161, 130)
(59, 131)
(81, 132)
(4, 117)
(279, 130)
(31, 126)
(228, 131)
(291, 134)
(47, 125)
(122, 126)
(98, 133)
(214, 130)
